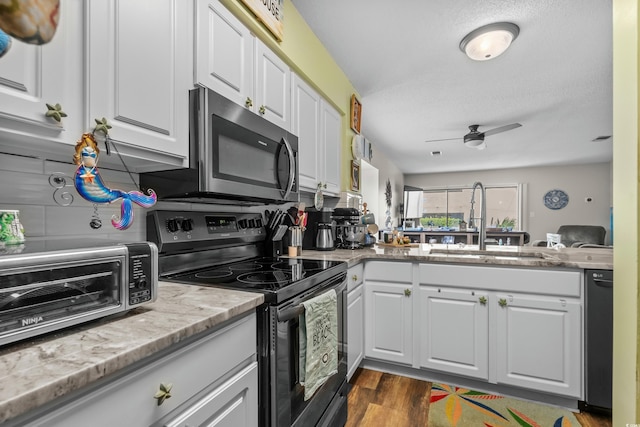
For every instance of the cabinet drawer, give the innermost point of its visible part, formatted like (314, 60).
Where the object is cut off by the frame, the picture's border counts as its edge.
(355, 276)
(129, 399)
(387, 271)
(525, 280)
(234, 403)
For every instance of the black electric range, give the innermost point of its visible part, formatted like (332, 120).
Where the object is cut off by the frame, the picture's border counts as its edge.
(227, 250)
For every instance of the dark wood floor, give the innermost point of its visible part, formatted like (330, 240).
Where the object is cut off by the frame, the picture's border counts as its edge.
(384, 400)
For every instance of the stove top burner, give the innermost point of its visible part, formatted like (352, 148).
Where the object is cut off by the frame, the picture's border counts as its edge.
(214, 274)
(266, 277)
(272, 276)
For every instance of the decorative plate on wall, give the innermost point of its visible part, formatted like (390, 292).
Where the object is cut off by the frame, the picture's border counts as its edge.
(556, 199)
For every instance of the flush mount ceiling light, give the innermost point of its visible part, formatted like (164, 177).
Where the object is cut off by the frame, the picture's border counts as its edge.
(489, 41)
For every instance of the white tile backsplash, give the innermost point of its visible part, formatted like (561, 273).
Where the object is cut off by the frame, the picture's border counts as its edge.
(26, 188)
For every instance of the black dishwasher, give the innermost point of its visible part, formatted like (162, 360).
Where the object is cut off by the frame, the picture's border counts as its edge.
(599, 339)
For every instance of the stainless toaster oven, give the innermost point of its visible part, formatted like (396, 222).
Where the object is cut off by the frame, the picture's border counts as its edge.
(47, 287)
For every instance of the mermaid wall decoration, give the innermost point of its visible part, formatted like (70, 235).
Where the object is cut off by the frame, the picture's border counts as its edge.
(90, 186)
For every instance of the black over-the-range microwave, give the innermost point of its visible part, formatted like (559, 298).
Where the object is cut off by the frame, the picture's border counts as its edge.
(235, 156)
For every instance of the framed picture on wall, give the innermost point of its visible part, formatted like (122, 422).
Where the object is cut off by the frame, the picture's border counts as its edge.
(356, 114)
(355, 176)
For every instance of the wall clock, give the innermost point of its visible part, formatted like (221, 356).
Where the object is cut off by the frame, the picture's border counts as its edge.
(556, 199)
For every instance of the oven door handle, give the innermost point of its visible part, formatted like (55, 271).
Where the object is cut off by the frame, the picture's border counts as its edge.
(290, 313)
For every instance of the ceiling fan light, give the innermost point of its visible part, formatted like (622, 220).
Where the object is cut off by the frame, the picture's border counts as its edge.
(475, 143)
(489, 41)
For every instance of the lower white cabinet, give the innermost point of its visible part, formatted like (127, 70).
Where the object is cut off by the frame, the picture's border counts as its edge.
(213, 381)
(389, 312)
(539, 343)
(454, 331)
(511, 326)
(355, 319)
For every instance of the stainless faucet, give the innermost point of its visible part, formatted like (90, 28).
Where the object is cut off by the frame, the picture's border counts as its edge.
(482, 235)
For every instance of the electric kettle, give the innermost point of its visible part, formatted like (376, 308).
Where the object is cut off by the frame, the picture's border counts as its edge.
(324, 238)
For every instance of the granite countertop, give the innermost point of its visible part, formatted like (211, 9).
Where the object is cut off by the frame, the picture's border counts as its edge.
(523, 256)
(36, 371)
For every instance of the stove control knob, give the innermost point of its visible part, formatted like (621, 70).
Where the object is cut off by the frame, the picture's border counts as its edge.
(187, 224)
(243, 223)
(258, 223)
(173, 225)
(252, 223)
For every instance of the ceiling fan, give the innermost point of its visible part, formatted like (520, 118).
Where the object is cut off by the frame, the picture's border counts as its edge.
(475, 139)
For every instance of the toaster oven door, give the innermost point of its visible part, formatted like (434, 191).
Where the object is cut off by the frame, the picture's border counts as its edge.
(41, 299)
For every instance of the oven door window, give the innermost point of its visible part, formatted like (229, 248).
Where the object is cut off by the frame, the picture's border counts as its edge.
(57, 292)
(241, 155)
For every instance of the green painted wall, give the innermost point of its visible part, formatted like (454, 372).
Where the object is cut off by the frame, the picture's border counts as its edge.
(626, 94)
(304, 53)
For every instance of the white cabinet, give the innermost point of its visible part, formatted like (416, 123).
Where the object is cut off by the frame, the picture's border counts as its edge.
(355, 319)
(513, 326)
(330, 131)
(273, 87)
(318, 127)
(539, 343)
(388, 312)
(139, 71)
(32, 76)
(214, 377)
(454, 325)
(233, 62)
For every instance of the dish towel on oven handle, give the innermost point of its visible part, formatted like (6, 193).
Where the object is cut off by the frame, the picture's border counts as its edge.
(318, 341)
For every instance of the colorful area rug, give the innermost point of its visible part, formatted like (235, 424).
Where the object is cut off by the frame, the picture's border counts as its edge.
(460, 407)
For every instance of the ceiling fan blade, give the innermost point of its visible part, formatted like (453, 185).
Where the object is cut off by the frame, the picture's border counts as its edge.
(438, 140)
(502, 129)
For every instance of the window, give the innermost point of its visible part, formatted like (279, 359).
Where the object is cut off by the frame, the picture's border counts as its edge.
(448, 207)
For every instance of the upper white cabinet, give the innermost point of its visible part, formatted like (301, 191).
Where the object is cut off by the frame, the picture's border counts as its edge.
(273, 87)
(139, 73)
(318, 126)
(233, 62)
(32, 76)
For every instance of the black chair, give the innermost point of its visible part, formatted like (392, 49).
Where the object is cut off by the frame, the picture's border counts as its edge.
(578, 235)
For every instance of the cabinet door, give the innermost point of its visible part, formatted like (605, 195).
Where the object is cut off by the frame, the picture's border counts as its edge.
(389, 331)
(331, 130)
(539, 341)
(224, 53)
(305, 123)
(233, 404)
(273, 86)
(32, 76)
(355, 330)
(139, 74)
(455, 331)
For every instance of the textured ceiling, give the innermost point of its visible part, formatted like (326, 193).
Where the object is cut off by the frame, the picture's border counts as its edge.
(415, 84)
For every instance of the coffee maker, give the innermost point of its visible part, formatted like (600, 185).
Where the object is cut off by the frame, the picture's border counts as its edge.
(320, 232)
(350, 232)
